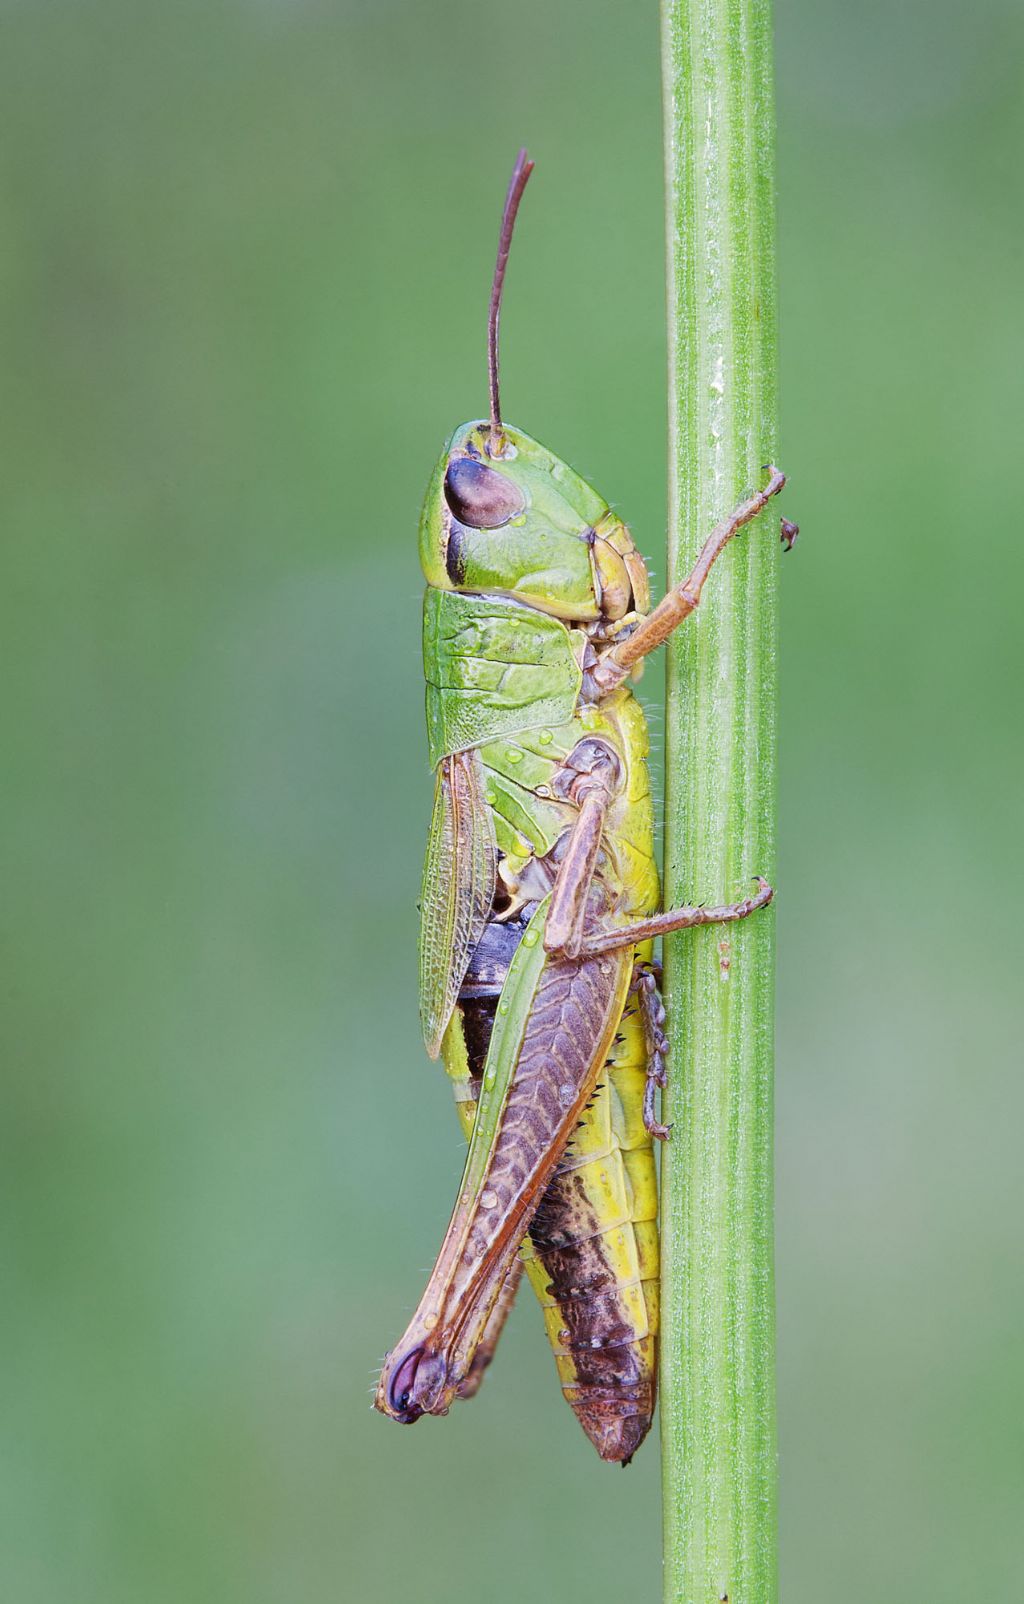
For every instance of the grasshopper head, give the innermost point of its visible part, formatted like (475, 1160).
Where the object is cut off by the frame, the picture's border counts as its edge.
(504, 515)
(511, 518)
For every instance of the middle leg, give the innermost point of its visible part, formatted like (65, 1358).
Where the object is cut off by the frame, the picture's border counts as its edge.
(663, 924)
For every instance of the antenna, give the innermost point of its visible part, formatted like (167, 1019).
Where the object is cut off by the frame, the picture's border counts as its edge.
(516, 184)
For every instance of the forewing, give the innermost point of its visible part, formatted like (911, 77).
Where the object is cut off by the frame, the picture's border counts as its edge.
(458, 889)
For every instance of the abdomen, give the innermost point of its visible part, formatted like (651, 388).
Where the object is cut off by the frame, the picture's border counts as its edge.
(592, 1250)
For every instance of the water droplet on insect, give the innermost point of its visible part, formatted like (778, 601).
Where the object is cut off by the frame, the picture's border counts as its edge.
(503, 1008)
(489, 1078)
(545, 737)
(513, 755)
(542, 790)
(488, 1200)
(564, 1334)
(530, 938)
(429, 1321)
(565, 1095)
(490, 798)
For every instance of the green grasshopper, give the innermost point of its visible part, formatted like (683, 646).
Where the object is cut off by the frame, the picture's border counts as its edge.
(539, 910)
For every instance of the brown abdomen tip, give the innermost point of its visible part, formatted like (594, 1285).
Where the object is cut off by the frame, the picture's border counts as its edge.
(616, 1428)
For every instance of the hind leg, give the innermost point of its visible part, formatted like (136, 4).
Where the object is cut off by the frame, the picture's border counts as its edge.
(652, 1017)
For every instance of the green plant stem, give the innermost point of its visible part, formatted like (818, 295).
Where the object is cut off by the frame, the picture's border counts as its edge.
(718, 1345)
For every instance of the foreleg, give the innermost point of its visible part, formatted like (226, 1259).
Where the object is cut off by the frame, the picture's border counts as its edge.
(617, 662)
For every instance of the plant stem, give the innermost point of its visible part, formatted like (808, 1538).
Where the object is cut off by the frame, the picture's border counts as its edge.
(718, 1344)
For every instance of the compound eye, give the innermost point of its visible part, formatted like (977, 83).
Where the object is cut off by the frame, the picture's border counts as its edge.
(479, 496)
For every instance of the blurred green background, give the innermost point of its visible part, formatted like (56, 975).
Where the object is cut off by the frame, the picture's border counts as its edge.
(246, 258)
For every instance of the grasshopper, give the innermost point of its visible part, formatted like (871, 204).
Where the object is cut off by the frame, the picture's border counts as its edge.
(539, 909)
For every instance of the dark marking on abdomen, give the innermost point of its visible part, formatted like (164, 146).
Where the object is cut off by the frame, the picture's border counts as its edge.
(613, 1394)
(478, 997)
